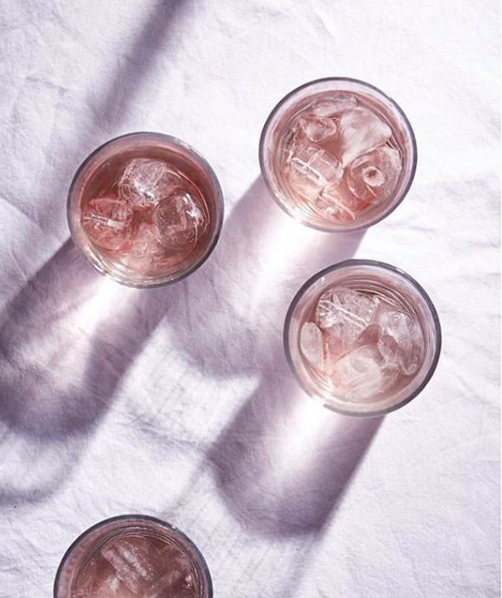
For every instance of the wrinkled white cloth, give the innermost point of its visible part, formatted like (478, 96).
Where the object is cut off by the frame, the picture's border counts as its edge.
(178, 402)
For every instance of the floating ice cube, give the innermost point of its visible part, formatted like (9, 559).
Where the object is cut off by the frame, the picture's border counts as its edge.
(334, 204)
(400, 341)
(311, 169)
(360, 131)
(317, 128)
(373, 177)
(359, 375)
(145, 181)
(315, 164)
(145, 251)
(312, 344)
(334, 349)
(335, 105)
(131, 562)
(176, 578)
(346, 313)
(105, 585)
(179, 221)
(173, 583)
(107, 221)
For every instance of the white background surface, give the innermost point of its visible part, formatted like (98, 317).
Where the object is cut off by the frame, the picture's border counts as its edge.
(178, 402)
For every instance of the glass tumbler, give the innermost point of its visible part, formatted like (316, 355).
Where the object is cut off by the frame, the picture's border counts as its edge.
(145, 209)
(131, 556)
(338, 154)
(363, 337)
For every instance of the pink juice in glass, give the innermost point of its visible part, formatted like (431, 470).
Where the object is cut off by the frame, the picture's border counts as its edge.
(338, 154)
(145, 209)
(363, 337)
(133, 557)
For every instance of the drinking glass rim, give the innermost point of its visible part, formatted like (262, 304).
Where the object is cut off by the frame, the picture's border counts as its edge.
(278, 106)
(133, 517)
(383, 265)
(206, 166)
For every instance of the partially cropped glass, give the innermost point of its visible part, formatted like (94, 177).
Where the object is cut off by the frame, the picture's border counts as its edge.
(362, 337)
(145, 209)
(337, 154)
(133, 556)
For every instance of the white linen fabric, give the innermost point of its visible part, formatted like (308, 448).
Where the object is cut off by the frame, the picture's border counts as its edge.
(178, 402)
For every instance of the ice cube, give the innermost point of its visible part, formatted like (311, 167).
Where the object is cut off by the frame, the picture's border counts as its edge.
(145, 251)
(361, 131)
(131, 561)
(335, 105)
(317, 128)
(345, 313)
(312, 344)
(105, 585)
(311, 168)
(373, 177)
(400, 341)
(108, 222)
(145, 182)
(171, 583)
(179, 221)
(359, 375)
(334, 349)
(176, 578)
(334, 204)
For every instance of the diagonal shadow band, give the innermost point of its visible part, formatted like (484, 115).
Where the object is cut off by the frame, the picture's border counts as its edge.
(279, 470)
(58, 369)
(66, 341)
(282, 467)
(133, 72)
(237, 303)
(107, 107)
(70, 336)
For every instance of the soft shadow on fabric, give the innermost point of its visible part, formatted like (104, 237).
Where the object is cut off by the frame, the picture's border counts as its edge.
(239, 305)
(66, 342)
(63, 350)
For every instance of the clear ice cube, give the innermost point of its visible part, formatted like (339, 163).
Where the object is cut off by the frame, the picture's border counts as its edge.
(334, 204)
(145, 251)
(176, 581)
(400, 341)
(145, 182)
(345, 313)
(361, 131)
(373, 177)
(311, 169)
(108, 222)
(334, 105)
(317, 128)
(312, 344)
(359, 375)
(131, 562)
(106, 585)
(179, 221)
(334, 349)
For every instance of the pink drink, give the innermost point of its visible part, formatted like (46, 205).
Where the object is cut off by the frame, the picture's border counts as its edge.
(145, 209)
(133, 557)
(338, 154)
(363, 337)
